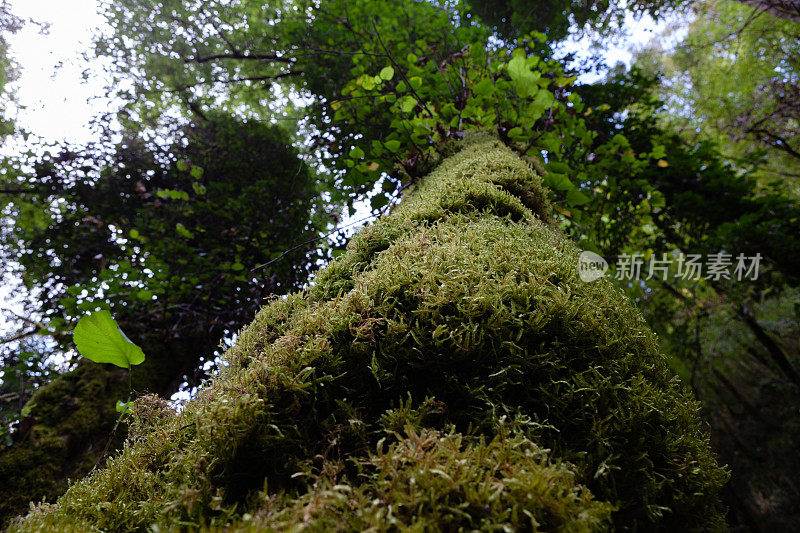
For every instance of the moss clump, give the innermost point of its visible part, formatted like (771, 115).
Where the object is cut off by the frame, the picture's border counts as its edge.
(66, 432)
(462, 317)
(427, 481)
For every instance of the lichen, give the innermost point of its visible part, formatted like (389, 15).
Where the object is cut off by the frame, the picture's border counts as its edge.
(450, 346)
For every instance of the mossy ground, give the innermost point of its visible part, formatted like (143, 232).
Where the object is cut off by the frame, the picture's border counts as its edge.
(450, 371)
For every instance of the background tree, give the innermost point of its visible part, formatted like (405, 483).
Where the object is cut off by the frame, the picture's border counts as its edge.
(785, 9)
(734, 79)
(9, 24)
(557, 19)
(730, 83)
(160, 236)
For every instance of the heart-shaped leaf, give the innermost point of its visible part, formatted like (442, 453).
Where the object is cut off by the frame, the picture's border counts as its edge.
(98, 338)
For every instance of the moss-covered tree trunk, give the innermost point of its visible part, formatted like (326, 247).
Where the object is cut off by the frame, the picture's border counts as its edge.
(72, 419)
(421, 381)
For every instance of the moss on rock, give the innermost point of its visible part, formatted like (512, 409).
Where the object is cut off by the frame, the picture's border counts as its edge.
(450, 346)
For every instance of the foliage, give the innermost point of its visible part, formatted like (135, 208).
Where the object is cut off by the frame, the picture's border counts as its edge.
(124, 229)
(168, 239)
(438, 318)
(748, 216)
(734, 79)
(378, 91)
(9, 24)
(99, 228)
(557, 18)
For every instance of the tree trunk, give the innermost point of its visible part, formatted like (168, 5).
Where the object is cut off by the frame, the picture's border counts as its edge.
(69, 428)
(420, 382)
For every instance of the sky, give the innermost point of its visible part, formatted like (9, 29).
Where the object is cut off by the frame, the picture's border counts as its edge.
(57, 101)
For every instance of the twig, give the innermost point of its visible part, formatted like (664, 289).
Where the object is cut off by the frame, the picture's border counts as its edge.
(315, 239)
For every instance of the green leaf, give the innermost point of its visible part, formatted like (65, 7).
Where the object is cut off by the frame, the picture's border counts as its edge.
(558, 167)
(409, 103)
(576, 197)
(484, 88)
(98, 338)
(562, 81)
(74, 290)
(357, 153)
(172, 194)
(379, 200)
(517, 67)
(123, 406)
(182, 165)
(144, 295)
(367, 82)
(181, 229)
(659, 152)
(393, 146)
(515, 133)
(387, 73)
(559, 182)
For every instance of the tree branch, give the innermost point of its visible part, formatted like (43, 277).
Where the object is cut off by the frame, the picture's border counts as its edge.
(239, 55)
(774, 350)
(18, 336)
(17, 191)
(785, 9)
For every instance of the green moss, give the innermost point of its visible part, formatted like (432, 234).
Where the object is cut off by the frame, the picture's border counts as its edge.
(461, 316)
(60, 436)
(429, 481)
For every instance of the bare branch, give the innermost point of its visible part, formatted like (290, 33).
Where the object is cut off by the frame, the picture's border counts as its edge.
(29, 320)
(242, 56)
(18, 336)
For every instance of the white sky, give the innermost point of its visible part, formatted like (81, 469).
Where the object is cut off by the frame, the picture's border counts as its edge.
(57, 102)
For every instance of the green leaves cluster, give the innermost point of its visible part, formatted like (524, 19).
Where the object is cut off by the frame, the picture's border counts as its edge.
(528, 98)
(164, 236)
